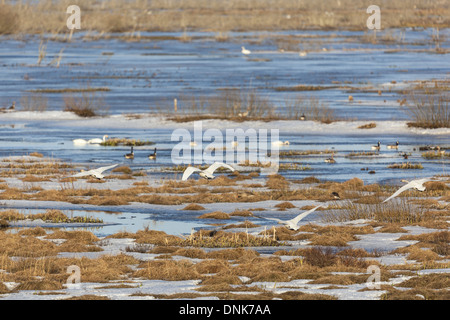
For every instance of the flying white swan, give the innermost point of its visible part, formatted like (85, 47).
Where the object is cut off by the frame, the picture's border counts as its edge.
(96, 173)
(207, 173)
(415, 184)
(98, 140)
(293, 223)
(245, 51)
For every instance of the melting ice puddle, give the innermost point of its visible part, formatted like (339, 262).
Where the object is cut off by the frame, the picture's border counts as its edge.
(114, 222)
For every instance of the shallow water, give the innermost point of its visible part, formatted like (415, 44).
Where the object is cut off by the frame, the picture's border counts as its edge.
(147, 75)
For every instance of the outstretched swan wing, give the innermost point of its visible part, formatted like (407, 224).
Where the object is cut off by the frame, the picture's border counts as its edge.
(101, 169)
(303, 215)
(217, 165)
(81, 174)
(413, 184)
(187, 173)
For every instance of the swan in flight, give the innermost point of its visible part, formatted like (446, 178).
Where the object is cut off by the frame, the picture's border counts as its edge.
(245, 51)
(98, 140)
(415, 184)
(207, 173)
(293, 223)
(96, 173)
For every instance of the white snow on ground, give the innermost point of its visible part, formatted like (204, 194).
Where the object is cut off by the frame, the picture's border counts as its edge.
(160, 122)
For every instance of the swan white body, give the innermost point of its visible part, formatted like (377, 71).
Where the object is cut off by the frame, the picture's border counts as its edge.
(79, 142)
(415, 184)
(207, 173)
(293, 223)
(96, 173)
(97, 140)
(245, 51)
(280, 143)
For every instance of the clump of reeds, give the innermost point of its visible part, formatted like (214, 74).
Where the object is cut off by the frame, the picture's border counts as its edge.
(85, 105)
(34, 102)
(215, 215)
(435, 154)
(429, 109)
(406, 165)
(402, 212)
(194, 206)
(368, 126)
(362, 154)
(113, 142)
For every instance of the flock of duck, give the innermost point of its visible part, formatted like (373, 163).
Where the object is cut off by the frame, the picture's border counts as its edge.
(208, 174)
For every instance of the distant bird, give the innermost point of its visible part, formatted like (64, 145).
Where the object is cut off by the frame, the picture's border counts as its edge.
(330, 159)
(130, 155)
(280, 143)
(415, 184)
(13, 106)
(393, 146)
(441, 152)
(303, 54)
(98, 140)
(207, 173)
(152, 156)
(303, 117)
(336, 195)
(405, 155)
(293, 223)
(245, 51)
(96, 173)
(377, 147)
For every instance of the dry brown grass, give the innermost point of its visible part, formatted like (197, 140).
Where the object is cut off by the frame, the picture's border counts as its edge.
(167, 270)
(285, 205)
(215, 215)
(218, 16)
(438, 242)
(368, 126)
(193, 206)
